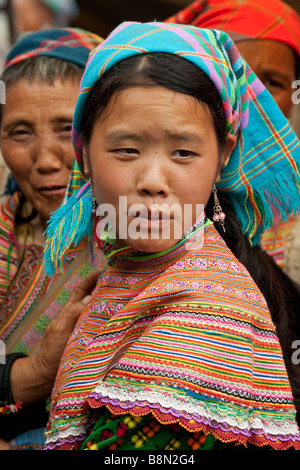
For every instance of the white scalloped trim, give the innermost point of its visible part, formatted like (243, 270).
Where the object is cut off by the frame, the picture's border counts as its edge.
(243, 420)
(72, 431)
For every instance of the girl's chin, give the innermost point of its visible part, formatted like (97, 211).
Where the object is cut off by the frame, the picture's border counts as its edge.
(148, 245)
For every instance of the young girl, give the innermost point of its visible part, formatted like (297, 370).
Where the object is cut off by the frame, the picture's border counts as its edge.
(177, 348)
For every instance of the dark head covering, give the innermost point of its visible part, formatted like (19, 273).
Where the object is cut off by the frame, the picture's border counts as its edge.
(69, 44)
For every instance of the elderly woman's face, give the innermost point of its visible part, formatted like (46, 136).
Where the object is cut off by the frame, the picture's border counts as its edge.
(36, 139)
(274, 64)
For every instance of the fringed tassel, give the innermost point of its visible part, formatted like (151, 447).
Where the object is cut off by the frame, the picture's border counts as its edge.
(257, 216)
(68, 226)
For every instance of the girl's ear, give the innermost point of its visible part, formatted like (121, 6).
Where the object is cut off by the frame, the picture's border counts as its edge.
(231, 143)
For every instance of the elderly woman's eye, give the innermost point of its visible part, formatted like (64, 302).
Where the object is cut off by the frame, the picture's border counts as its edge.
(67, 129)
(19, 134)
(273, 83)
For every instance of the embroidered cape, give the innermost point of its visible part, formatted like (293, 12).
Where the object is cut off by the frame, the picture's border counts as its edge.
(185, 336)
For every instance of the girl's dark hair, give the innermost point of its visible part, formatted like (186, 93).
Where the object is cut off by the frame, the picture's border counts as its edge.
(179, 75)
(167, 70)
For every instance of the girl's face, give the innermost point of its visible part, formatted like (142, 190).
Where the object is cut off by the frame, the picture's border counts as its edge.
(158, 149)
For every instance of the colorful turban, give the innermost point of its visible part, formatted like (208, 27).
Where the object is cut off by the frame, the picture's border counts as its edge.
(261, 177)
(69, 44)
(245, 19)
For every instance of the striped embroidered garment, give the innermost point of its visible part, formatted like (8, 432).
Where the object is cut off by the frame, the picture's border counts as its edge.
(185, 336)
(29, 299)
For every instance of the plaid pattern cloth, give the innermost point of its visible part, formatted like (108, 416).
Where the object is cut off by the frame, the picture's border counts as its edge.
(70, 44)
(130, 432)
(242, 19)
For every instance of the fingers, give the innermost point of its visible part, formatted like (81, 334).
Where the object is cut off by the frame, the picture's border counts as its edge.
(4, 445)
(80, 295)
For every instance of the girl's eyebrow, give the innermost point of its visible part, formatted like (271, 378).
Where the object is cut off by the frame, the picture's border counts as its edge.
(118, 135)
(178, 136)
(185, 136)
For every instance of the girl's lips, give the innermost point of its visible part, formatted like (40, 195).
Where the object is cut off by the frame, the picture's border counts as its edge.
(152, 224)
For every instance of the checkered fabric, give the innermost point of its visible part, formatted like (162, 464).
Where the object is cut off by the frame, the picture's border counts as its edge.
(244, 19)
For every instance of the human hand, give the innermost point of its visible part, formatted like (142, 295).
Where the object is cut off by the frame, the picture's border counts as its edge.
(59, 330)
(32, 377)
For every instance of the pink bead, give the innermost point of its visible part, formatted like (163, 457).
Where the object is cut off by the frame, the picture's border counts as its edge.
(216, 217)
(222, 216)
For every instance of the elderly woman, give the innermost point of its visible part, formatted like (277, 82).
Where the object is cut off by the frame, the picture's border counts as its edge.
(42, 75)
(176, 348)
(268, 37)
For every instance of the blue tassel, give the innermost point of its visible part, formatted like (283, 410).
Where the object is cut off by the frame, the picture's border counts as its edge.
(68, 226)
(11, 186)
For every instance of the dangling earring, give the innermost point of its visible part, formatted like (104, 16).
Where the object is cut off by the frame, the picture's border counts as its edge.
(219, 215)
(94, 203)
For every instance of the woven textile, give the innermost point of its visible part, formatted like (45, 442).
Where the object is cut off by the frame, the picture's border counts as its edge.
(261, 176)
(29, 299)
(245, 19)
(69, 44)
(8, 249)
(275, 243)
(184, 336)
(146, 433)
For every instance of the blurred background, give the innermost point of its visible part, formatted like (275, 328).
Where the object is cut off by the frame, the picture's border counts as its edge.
(99, 16)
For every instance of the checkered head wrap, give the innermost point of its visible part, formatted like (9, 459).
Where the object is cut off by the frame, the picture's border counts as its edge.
(69, 44)
(245, 19)
(261, 176)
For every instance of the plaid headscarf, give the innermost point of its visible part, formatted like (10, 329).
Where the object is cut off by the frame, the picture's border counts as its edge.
(69, 44)
(245, 19)
(261, 177)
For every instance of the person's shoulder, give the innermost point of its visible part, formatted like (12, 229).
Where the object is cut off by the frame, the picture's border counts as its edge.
(8, 209)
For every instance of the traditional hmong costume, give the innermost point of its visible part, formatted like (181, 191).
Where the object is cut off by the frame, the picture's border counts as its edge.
(177, 350)
(29, 298)
(245, 20)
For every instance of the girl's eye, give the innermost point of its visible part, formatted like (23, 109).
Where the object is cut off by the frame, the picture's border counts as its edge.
(183, 153)
(127, 151)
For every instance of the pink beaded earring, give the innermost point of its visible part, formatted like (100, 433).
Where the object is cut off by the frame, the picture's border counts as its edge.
(219, 215)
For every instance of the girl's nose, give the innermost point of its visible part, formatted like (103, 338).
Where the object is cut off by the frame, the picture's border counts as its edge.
(153, 181)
